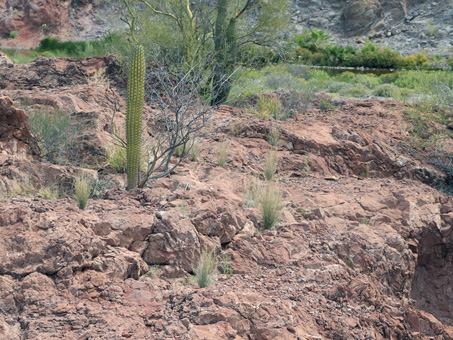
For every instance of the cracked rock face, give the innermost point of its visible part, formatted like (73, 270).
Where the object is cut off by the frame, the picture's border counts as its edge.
(360, 16)
(15, 136)
(362, 249)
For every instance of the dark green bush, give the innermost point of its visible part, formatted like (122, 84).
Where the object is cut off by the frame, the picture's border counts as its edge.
(373, 57)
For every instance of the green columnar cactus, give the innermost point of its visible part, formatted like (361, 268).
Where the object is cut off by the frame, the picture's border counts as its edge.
(134, 115)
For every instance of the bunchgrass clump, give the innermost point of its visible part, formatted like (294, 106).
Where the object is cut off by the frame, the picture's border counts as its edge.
(271, 165)
(82, 190)
(205, 267)
(268, 107)
(222, 153)
(274, 135)
(271, 205)
(47, 193)
(252, 194)
(117, 157)
(225, 265)
(195, 151)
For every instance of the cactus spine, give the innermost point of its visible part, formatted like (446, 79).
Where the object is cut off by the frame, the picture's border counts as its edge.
(134, 115)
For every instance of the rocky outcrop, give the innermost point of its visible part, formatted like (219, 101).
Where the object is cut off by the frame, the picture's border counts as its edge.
(4, 60)
(32, 20)
(360, 16)
(404, 25)
(15, 136)
(362, 249)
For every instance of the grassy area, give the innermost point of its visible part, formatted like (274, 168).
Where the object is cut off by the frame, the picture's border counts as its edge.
(51, 47)
(401, 85)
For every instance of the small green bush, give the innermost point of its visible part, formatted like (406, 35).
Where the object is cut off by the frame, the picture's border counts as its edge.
(12, 35)
(337, 86)
(55, 132)
(410, 79)
(373, 57)
(387, 91)
(416, 60)
(346, 76)
(357, 91)
(389, 78)
(430, 29)
(368, 80)
(320, 75)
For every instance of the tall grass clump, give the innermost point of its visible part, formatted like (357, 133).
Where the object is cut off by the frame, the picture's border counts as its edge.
(204, 269)
(222, 153)
(271, 205)
(271, 165)
(82, 189)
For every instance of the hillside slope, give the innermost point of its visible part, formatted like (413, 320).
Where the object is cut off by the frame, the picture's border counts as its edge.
(405, 25)
(362, 249)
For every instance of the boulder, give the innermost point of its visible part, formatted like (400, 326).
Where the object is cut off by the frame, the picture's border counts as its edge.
(359, 16)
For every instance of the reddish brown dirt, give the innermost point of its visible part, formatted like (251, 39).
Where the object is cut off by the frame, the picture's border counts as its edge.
(32, 20)
(362, 250)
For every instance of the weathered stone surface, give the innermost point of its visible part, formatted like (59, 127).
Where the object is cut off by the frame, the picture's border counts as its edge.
(362, 249)
(359, 16)
(15, 136)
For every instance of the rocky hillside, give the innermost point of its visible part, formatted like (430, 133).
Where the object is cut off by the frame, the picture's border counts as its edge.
(362, 249)
(405, 25)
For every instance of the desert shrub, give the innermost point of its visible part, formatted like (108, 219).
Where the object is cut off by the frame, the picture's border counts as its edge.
(326, 104)
(430, 29)
(337, 86)
(55, 132)
(271, 165)
(82, 189)
(320, 75)
(415, 60)
(357, 91)
(346, 76)
(204, 269)
(283, 81)
(271, 205)
(410, 79)
(389, 78)
(368, 80)
(387, 90)
(299, 71)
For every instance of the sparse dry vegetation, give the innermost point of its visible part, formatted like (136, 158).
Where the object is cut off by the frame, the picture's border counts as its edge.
(205, 267)
(82, 190)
